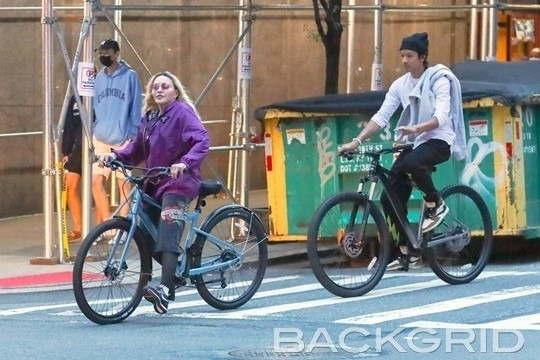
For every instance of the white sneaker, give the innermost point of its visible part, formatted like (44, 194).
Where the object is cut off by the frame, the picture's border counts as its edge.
(433, 216)
(108, 236)
(401, 263)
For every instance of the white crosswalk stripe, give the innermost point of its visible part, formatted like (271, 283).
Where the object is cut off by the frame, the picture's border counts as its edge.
(442, 306)
(277, 297)
(250, 313)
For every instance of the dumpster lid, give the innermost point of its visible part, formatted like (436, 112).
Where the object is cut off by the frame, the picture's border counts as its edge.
(506, 82)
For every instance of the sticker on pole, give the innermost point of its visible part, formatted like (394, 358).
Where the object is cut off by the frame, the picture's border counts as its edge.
(85, 79)
(245, 64)
(376, 76)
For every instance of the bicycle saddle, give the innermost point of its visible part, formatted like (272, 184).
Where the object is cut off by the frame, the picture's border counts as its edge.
(210, 187)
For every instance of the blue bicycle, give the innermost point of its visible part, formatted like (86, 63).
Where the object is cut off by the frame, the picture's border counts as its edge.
(225, 258)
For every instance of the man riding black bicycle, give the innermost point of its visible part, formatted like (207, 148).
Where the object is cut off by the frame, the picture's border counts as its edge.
(432, 120)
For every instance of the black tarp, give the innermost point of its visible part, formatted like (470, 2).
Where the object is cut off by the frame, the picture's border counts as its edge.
(506, 82)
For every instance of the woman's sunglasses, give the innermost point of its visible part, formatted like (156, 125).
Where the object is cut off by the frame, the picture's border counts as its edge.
(164, 86)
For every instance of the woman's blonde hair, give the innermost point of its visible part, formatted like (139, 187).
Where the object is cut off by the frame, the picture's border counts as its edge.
(150, 103)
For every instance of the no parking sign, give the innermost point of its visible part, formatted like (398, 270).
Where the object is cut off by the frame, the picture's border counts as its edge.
(245, 66)
(85, 79)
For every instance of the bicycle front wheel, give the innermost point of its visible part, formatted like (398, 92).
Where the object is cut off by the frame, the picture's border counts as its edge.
(463, 258)
(348, 244)
(106, 290)
(231, 287)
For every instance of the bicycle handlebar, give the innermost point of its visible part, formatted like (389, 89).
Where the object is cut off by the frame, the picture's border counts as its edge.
(349, 154)
(154, 172)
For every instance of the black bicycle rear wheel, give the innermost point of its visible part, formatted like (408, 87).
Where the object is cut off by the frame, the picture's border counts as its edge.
(348, 244)
(461, 260)
(231, 287)
(109, 294)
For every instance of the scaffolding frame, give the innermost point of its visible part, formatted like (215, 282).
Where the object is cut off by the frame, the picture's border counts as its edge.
(239, 146)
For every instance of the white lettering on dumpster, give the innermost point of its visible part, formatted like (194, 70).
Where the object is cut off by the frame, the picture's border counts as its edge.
(327, 162)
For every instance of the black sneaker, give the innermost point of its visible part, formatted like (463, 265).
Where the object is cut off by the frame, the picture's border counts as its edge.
(404, 263)
(157, 297)
(434, 216)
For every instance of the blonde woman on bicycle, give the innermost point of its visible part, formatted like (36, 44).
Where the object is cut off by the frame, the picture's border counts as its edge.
(171, 134)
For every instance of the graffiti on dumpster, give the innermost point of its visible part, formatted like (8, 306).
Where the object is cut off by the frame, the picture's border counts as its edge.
(327, 163)
(474, 177)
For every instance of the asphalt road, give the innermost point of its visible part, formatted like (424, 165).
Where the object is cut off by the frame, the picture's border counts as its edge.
(407, 315)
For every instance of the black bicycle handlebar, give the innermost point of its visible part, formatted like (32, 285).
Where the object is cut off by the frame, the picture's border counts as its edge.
(149, 173)
(398, 148)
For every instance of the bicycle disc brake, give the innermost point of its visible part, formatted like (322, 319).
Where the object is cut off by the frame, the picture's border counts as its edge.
(456, 246)
(351, 246)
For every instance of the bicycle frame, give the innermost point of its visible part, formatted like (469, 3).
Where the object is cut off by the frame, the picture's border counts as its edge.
(376, 173)
(138, 217)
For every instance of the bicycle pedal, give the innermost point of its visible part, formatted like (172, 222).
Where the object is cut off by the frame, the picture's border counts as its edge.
(179, 282)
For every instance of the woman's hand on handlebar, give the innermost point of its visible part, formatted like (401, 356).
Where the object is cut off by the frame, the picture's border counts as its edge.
(178, 170)
(105, 159)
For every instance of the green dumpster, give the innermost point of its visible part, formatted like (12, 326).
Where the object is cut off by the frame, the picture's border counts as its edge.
(502, 137)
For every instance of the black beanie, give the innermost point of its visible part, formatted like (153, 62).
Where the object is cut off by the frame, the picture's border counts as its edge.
(417, 42)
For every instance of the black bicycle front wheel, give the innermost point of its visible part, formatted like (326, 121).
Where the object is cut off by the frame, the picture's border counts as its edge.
(461, 260)
(108, 292)
(348, 244)
(231, 287)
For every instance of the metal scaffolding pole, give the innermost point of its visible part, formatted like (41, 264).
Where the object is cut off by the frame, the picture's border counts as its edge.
(493, 22)
(473, 33)
(47, 172)
(484, 42)
(114, 183)
(87, 153)
(350, 45)
(376, 68)
(244, 75)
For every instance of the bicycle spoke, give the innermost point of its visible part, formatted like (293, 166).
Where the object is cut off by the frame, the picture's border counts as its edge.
(462, 258)
(346, 245)
(107, 287)
(232, 285)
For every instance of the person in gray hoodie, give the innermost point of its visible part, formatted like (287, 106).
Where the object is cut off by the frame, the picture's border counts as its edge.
(432, 121)
(117, 107)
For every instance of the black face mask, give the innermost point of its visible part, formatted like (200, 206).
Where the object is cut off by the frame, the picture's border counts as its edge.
(106, 60)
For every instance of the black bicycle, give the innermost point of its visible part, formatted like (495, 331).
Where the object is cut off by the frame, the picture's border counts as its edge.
(349, 242)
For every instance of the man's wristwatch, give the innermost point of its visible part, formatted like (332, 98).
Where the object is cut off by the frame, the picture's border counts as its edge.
(357, 140)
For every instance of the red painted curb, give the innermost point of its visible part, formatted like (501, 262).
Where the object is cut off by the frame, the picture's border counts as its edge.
(57, 278)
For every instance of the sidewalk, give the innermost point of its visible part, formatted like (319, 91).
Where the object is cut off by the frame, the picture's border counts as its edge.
(21, 239)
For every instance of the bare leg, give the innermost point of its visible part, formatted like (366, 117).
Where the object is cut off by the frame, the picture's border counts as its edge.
(73, 199)
(100, 198)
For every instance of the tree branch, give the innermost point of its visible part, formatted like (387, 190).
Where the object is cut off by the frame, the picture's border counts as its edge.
(335, 8)
(318, 21)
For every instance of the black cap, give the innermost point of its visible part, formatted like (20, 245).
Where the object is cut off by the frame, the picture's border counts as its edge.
(108, 44)
(417, 42)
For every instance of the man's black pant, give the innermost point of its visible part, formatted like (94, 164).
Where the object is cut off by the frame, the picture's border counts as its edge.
(418, 164)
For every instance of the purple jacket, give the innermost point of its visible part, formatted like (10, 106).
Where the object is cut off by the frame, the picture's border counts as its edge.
(175, 136)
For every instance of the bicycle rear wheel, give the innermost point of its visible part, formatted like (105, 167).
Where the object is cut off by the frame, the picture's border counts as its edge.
(231, 287)
(461, 260)
(109, 294)
(348, 244)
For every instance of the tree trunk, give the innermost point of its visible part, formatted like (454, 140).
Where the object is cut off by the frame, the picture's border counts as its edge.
(332, 50)
(331, 40)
